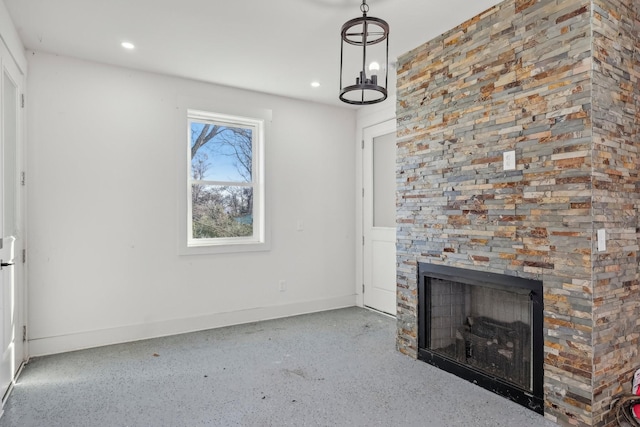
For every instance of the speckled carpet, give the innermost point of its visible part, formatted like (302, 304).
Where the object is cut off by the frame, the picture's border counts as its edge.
(335, 368)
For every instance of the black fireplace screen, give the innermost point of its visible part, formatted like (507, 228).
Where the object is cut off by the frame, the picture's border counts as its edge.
(484, 327)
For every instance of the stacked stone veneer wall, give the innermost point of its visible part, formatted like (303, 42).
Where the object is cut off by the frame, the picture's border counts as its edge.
(616, 125)
(556, 81)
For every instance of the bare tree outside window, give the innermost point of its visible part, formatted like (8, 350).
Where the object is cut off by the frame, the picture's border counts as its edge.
(221, 180)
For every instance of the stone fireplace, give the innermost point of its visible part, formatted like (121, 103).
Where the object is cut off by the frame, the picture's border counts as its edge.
(555, 84)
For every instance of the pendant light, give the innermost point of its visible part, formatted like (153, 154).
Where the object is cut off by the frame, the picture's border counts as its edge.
(364, 58)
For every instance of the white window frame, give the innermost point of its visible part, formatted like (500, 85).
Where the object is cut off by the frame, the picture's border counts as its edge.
(258, 240)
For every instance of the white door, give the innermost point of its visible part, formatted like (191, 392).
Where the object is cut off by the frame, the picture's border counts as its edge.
(11, 272)
(379, 216)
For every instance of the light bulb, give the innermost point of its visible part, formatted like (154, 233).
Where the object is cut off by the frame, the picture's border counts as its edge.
(374, 67)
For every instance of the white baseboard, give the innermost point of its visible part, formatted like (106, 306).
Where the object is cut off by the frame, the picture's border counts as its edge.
(82, 340)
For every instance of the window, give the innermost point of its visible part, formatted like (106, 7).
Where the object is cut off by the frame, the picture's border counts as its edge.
(225, 180)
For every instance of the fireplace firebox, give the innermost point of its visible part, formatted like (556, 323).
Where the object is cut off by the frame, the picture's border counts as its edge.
(485, 328)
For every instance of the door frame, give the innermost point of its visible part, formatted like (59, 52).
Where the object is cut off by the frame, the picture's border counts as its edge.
(366, 117)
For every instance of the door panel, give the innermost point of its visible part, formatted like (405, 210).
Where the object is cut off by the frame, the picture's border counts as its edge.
(379, 229)
(11, 273)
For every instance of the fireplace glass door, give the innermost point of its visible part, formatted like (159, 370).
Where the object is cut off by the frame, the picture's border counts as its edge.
(484, 327)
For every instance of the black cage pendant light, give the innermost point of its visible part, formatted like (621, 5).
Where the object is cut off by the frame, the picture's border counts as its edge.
(363, 58)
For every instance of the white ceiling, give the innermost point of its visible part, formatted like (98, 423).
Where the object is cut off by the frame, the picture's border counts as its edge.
(273, 46)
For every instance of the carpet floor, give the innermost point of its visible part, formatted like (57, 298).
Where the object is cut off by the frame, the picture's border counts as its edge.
(335, 368)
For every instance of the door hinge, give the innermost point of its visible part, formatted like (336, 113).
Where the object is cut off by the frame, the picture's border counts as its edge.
(362, 240)
(23, 178)
(24, 333)
(362, 144)
(22, 100)
(362, 192)
(363, 288)
(24, 256)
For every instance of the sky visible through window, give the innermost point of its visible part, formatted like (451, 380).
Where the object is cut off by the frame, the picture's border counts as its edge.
(218, 156)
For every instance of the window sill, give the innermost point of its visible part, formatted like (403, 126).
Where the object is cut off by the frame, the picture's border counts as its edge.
(223, 248)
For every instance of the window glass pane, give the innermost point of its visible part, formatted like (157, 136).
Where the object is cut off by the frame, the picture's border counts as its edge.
(384, 180)
(221, 211)
(225, 204)
(221, 153)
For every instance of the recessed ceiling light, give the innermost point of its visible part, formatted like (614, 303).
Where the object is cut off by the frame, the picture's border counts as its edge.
(127, 45)
(315, 84)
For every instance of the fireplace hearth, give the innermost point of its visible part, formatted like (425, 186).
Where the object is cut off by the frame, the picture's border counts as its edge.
(483, 327)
